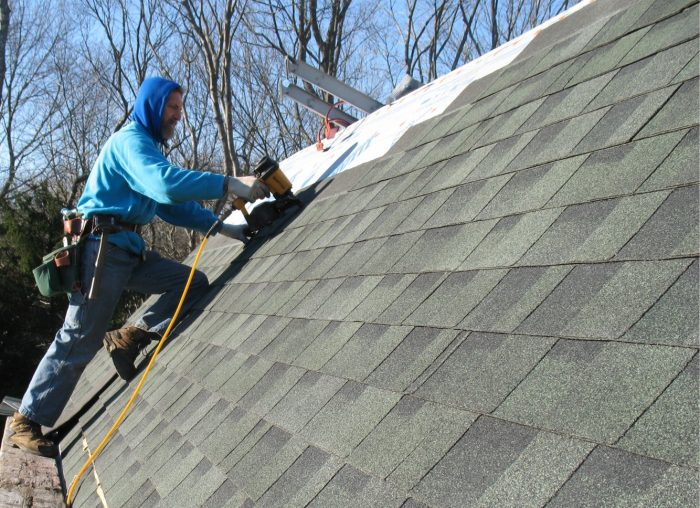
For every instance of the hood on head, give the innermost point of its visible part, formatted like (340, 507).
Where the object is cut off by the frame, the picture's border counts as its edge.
(150, 103)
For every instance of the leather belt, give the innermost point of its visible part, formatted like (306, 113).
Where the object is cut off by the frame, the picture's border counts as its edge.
(114, 225)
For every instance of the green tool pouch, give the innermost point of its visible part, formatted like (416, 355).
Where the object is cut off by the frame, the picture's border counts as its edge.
(59, 272)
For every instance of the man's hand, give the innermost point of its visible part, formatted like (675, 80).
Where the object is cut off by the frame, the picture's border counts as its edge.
(247, 187)
(235, 231)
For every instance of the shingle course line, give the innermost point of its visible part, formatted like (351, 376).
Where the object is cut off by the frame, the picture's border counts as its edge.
(311, 248)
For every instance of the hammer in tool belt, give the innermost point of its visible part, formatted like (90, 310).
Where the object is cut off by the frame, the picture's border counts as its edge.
(103, 225)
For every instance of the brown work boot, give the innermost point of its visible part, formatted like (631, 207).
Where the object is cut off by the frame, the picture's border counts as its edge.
(123, 346)
(26, 435)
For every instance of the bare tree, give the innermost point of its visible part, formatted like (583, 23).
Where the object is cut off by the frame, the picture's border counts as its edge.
(130, 37)
(4, 29)
(29, 98)
(212, 26)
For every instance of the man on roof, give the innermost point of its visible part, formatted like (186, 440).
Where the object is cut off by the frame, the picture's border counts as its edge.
(130, 183)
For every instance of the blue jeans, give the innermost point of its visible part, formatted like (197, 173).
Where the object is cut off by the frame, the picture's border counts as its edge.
(86, 322)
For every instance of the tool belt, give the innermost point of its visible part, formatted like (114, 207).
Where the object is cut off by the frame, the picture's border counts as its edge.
(59, 271)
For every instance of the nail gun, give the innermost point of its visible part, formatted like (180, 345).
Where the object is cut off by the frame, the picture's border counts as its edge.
(268, 171)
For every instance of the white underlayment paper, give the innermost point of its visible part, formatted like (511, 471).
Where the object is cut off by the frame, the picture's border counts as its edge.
(373, 136)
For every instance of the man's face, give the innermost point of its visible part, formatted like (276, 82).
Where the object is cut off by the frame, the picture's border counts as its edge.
(171, 115)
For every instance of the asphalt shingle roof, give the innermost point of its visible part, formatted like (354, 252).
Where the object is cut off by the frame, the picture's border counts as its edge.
(501, 311)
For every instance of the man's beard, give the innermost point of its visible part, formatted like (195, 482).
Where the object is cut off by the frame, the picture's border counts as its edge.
(167, 131)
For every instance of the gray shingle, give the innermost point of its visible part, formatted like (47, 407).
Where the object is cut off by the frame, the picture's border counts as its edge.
(669, 32)
(449, 146)
(282, 295)
(602, 301)
(390, 218)
(176, 469)
(443, 248)
(674, 317)
(329, 342)
(422, 179)
(274, 385)
(195, 410)
(319, 294)
(383, 294)
(681, 111)
(119, 493)
(245, 378)
(505, 125)
(266, 461)
(510, 239)
(197, 487)
(423, 210)
(645, 75)
(412, 296)
(555, 141)
(229, 495)
(390, 252)
(500, 156)
(304, 400)
(624, 120)
(457, 169)
(303, 480)
(140, 496)
(625, 479)
(467, 201)
(532, 188)
(229, 364)
(456, 296)
(690, 70)
(348, 417)
(593, 231)
(480, 109)
(347, 296)
(411, 424)
(297, 297)
(679, 168)
(350, 487)
(606, 58)
(531, 88)
(659, 10)
(293, 339)
(500, 463)
(244, 446)
(365, 350)
(399, 185)
(519, 293)
(592, 389)
(416, 352)
(669, 429)
(315, 233)
(483, 370)
(621, 22)
(631, 165)
(299, 263)
(263, 334)
(671, 231)
(567, 103)
(164, 453)
(357, 226)
(201, 430)
(325, 261)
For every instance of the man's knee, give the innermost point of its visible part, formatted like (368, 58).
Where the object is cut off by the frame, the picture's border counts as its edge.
(200, 281)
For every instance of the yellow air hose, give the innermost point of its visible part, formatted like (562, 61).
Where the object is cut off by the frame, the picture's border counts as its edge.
(122, 415)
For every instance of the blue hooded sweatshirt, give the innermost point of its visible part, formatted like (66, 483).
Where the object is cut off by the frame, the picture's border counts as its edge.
(133, 180)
